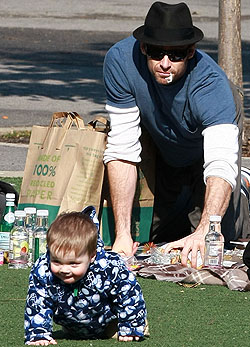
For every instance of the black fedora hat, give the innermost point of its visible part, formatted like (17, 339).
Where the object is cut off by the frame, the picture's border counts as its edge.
(168, 25)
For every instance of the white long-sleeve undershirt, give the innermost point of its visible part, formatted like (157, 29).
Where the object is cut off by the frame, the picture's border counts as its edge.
(220, 144)
(123, 138)
(221, 148)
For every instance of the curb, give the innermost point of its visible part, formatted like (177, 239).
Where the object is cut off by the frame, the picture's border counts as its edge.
(13, 144)
(12, 129)
(11, 174)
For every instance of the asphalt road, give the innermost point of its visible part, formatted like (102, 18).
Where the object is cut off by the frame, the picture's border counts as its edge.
(51, 57)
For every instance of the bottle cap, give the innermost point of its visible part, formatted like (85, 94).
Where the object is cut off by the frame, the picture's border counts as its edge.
(10, 196)
(42, 213)
(215, 218)
(30, 210)
(20, 213)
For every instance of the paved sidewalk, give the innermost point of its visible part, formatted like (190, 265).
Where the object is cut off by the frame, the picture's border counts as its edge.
(70, 40)
(99, 15)
(53, 56)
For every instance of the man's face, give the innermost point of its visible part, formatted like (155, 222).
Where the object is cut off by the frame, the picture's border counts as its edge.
(167, 63)
(69, 267)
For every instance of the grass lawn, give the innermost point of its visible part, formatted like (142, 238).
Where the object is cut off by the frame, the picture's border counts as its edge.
(178, 316)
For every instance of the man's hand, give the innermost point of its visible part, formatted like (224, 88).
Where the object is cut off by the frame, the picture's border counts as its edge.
(217, 197)
(191, 243)
(42, 342)
(124, 245)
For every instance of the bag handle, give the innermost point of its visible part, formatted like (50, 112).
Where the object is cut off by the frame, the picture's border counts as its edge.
(105, 124)
(64, 120)
(77, 120)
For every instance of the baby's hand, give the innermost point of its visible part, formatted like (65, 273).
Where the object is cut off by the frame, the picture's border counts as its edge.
(128, 338)
(42, 342)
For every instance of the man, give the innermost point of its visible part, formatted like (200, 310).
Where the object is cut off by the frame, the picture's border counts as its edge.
(186, 103)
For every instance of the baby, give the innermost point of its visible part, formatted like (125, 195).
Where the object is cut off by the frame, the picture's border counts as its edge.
(83, 288)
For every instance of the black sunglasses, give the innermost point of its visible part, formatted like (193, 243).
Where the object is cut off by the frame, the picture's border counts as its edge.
(158, 53)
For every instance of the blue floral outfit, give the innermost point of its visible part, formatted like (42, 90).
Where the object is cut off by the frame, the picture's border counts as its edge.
(107, 291)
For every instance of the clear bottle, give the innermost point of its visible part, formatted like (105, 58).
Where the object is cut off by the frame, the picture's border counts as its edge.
(30, 224)
(40, 234)
(7, 222)
(214, 243)
(19, 243)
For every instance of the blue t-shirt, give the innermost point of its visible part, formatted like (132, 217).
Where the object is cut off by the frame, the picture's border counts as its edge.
(175, 115)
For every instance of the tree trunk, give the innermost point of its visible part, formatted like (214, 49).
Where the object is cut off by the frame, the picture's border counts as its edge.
(229, 46)
(229, 56)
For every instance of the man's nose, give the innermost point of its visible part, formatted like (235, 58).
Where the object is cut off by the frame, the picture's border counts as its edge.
(165, 62)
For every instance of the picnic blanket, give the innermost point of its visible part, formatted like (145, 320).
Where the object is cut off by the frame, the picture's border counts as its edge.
(235, 277)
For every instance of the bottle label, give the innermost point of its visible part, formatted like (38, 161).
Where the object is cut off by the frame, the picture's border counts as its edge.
(5, 240)
(40, 247)
(9, 217)
(214, 251)
(30, 240)
(213, 261)
(18, 251)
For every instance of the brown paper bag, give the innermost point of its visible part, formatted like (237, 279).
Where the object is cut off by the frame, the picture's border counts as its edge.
(64, 165)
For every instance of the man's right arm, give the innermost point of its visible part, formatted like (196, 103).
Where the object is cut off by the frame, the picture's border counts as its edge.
(121, 156)
(122, 184)
(123, 148)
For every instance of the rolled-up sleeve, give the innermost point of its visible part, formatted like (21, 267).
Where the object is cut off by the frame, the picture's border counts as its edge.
(123, 138)
(221, 150)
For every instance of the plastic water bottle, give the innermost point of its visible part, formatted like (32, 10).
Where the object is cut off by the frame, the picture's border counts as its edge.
(7, 222)
(19, 243)
(30, 224)
(40, 234)
(214, 243)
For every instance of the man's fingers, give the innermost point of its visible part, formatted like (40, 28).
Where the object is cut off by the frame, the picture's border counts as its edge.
(172, 245)
(194, 257)
(184, 254)
(202, 251)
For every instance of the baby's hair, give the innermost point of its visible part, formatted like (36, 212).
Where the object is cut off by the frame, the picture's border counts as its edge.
(72, 231)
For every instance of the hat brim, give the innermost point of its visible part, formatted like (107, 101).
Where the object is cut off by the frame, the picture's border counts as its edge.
(139, 34)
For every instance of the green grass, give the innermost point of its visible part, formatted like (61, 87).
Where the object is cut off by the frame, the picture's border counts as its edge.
(184, 317)
(178, 316)
(20, 136)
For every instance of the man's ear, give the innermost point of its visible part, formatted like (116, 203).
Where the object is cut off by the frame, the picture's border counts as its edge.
(191, 52)
(143, 48)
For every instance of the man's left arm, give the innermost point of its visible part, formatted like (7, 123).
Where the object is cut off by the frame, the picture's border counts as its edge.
(217, 197)
(221, 149)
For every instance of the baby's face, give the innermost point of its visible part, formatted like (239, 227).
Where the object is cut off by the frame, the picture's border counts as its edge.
(68, 267)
